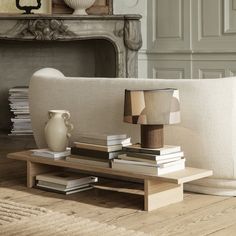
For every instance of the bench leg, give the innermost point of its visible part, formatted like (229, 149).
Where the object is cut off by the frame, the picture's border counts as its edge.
(159, 194)
(34, 169)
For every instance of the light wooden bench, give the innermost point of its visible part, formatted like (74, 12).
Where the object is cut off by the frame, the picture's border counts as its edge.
(158, 191)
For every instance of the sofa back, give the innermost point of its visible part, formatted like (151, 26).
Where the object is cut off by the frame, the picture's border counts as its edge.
(206, 132)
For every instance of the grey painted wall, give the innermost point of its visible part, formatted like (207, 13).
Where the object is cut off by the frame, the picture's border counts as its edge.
(185, 38)
(191, 38)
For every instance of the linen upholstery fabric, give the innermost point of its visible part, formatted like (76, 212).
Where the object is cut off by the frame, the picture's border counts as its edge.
(206, 133)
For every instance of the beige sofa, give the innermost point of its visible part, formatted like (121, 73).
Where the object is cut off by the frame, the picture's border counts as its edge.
(207, 132)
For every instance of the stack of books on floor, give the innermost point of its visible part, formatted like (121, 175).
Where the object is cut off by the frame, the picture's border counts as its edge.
(46, 153)
(150, 161)
(98, 149)
(65, 182)
(19, 104)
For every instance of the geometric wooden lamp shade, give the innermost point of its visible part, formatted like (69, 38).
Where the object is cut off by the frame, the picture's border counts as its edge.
(152, 109)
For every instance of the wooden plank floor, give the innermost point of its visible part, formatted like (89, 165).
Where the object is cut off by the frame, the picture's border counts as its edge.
(196, 215)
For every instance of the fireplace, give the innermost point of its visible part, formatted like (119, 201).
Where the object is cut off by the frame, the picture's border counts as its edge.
(87, 46)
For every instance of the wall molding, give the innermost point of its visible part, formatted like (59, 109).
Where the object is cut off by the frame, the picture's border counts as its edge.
(203, 38)
(168, 25)
(168, 72)
(157, 35)
(229, 17)
(211, 73)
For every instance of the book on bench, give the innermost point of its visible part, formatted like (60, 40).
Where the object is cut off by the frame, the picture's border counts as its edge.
(50, 154)
(167, 149)
(142, 168)
(103, 148)
(104, 139)
(66, 179)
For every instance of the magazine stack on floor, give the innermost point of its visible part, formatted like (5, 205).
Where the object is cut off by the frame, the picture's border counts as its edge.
(150, 161)
(98, 149)
(19, 104)
(65, 182)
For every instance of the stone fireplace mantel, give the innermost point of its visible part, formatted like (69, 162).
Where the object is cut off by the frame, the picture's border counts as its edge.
(85, 46)
(123, 31)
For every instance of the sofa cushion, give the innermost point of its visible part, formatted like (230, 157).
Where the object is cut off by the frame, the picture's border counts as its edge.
(206, 132)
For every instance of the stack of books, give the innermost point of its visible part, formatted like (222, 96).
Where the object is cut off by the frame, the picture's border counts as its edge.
(65, 182)
(50, 154)
(150, 161)
(98, 149)
(19, 105)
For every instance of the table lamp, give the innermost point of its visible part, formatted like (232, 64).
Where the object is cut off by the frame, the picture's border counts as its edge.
(152, 109)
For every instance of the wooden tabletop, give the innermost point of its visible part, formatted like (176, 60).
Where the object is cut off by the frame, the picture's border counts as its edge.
(178, 177)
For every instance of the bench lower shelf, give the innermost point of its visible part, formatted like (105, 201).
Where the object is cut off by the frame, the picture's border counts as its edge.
(159, 191)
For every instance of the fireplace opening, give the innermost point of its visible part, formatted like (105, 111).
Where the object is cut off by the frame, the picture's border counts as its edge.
(20, 59)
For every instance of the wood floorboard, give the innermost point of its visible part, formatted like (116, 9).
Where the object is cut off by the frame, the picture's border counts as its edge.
(227, 231)
(197, 215)
(202, 221)
(166, 215)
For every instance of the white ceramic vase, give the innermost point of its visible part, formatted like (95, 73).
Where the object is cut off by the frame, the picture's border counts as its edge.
(57, 130)
(79, 6)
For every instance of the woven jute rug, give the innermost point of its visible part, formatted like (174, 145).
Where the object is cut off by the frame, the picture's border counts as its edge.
(25, 220)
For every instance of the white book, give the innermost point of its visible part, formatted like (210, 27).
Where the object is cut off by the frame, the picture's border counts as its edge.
(155, 157)
(20, 134)
(103, 148)
(162, 165)
(124, 142)
(67, 179)
(50, 154)
(21, 120)
(147, 170)
(77, 190)
(103, 136)
(22, 130)
(130, 158)
(167, 149)
(19, 89)
(58, 187)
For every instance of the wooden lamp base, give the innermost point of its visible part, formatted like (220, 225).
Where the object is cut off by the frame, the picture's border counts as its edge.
(152, 136)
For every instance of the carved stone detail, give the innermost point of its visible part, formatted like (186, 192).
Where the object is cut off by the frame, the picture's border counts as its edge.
(132, 64)
(133, 36)
(45, 30)
(119, 30)
(123, 31)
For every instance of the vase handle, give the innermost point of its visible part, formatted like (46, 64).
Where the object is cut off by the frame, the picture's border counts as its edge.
(66, 115)
(69, 126)
(50, 114)
(68, 135)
